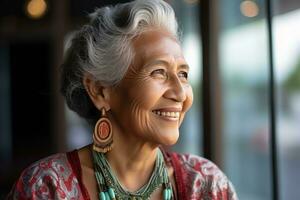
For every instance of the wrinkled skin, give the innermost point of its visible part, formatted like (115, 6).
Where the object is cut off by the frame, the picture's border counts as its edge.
(156, 80)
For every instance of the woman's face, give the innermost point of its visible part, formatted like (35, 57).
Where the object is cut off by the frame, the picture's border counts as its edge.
(151, 100)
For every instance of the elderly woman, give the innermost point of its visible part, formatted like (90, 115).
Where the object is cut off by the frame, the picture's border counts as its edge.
(125, 73)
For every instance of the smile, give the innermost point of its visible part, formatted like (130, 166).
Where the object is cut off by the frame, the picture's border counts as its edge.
(172, 115)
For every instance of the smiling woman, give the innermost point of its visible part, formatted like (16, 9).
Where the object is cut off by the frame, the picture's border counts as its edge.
(125, 73)
(150, 101)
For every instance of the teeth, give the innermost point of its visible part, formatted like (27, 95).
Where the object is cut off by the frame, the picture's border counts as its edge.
(167, 114)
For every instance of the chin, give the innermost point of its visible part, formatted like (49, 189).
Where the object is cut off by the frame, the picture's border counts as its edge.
(170, 140)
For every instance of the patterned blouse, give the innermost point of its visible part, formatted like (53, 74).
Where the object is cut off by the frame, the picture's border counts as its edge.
(59, 177)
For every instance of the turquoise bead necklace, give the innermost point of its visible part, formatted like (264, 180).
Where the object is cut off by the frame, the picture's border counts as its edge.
(111, 189)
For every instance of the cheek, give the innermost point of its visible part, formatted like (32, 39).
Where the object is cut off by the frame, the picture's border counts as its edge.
(139, 105)
(143, 99)
(140, 119)
(189, 98)
(187, 103)
(146, 94)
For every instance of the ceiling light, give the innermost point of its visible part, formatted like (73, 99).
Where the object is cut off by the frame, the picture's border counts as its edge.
(249, 8)
(36, 8)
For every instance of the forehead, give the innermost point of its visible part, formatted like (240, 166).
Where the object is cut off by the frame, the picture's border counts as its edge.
(156, 44)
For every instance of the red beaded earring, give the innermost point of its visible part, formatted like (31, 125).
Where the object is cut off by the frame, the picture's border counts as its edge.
(103, 136)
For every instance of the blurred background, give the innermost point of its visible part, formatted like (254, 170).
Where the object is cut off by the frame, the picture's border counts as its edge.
(245, 72)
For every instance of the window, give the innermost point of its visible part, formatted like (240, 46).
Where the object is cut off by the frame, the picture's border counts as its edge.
(244, 74)
(286, 42)
(257, 82)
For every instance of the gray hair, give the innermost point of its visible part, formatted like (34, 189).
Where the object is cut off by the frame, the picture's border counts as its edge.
(103, 48)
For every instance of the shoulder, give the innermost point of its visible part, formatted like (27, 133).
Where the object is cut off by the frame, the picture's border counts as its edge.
(198, 165)
(48, 178)
(202, 178)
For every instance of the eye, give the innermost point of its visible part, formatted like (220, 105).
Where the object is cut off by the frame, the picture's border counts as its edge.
(159, 73)
(183, 74)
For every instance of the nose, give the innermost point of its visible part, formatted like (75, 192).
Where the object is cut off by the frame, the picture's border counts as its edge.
(176, 91)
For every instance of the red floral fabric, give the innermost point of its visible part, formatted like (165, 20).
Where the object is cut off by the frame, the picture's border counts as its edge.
(198, 178)
(59, 177)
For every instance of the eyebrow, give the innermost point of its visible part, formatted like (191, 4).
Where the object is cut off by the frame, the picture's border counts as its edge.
(166, 63)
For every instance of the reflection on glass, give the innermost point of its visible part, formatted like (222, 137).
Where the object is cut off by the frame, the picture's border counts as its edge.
(287, 69)
(244, 75)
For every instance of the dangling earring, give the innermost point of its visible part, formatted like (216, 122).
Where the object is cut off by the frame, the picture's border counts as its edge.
(103, 137)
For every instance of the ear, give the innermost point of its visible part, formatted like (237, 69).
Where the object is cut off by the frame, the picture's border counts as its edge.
(99, 94)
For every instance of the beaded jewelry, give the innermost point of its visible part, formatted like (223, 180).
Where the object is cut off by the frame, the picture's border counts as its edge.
(111, 189)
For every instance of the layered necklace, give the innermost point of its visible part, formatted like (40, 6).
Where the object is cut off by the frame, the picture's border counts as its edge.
(111, 189)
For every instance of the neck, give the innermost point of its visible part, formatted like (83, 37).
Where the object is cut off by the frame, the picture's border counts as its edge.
(132, 160)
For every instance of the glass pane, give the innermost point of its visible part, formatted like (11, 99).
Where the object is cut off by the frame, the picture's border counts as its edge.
(287, 72)
(244, 67)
